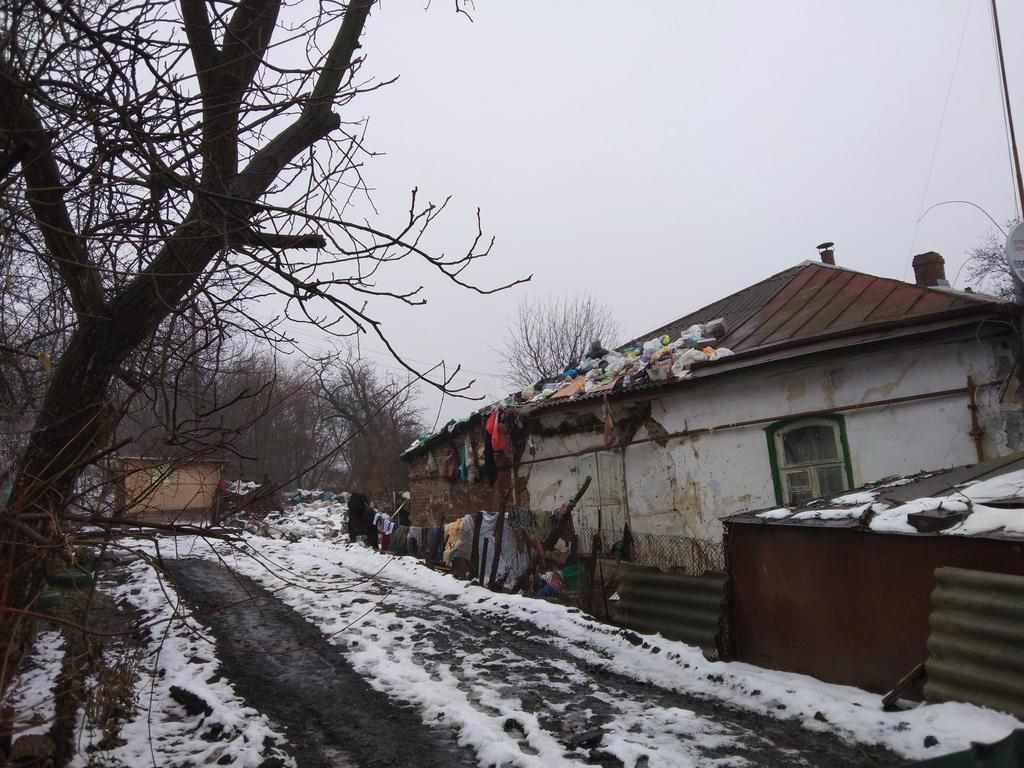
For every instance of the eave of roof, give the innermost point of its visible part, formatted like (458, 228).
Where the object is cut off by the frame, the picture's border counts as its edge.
(844, 339)
(805, 309)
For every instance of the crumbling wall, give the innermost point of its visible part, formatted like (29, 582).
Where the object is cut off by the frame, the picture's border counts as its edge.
(701, 452)
(437, 498)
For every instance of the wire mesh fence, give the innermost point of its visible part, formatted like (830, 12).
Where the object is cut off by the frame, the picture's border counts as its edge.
(664, 551)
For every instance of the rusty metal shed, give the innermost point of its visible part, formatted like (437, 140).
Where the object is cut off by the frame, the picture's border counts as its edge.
(847, 604)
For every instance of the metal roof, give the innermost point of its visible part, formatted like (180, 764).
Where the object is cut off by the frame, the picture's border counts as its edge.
(894, 491)
(811, 299)
(820, 299)
(735, 309)
(796, 308)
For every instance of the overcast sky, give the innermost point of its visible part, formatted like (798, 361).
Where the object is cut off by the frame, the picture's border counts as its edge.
(660, 155)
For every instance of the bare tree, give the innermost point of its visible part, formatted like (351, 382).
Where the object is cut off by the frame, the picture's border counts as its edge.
(380, 412)
(987, 268)
(549, 336)
(167, 167)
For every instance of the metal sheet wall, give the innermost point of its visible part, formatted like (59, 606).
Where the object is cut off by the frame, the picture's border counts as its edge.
(976, 645)
(687, 608)
(846, 606)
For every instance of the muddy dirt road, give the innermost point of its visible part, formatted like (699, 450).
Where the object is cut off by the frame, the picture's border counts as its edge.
(283, 666)
(287, 668)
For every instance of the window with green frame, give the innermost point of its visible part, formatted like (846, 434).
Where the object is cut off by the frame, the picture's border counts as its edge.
(810, 458)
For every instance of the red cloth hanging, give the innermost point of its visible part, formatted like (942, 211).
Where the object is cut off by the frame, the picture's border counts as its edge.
(497, 431)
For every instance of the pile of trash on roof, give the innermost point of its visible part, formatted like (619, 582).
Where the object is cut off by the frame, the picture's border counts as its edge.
(661, 358)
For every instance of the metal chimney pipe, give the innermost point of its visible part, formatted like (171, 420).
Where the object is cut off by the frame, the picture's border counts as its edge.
(826, 253)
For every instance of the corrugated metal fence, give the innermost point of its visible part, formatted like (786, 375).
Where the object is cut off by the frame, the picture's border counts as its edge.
(976, 639)
(680, 607)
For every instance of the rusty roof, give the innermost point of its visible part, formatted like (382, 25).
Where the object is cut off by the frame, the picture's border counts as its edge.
(735, 308)
(795, 309)
(812, 299)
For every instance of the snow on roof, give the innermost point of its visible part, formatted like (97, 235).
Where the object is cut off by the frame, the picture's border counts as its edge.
(984, 499)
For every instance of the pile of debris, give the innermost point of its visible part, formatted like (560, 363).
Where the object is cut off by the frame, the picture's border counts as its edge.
(326, 518)
(658, 359)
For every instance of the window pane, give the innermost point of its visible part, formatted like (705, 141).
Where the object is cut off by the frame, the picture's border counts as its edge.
(798, 487)
(831, 480)
(806, 444)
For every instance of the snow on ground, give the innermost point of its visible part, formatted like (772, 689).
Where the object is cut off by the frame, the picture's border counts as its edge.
(336, 576)
(315, 519)
(31, 691)
(178, 653)
(461, 692)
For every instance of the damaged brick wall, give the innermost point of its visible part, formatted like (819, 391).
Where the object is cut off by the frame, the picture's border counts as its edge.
(436, 499)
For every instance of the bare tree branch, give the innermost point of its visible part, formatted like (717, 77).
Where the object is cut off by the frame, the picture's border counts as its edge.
(550, 336)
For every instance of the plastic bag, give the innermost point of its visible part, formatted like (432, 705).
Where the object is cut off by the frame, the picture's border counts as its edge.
(683, 361)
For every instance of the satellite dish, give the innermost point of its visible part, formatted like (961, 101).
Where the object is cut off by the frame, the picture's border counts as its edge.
(1015, 251)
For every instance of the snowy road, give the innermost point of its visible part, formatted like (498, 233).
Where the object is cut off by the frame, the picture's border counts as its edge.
(463, 686)
(284, 667)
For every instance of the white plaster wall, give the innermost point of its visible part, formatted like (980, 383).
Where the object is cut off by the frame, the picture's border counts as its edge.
(908, 438)
(686, 486)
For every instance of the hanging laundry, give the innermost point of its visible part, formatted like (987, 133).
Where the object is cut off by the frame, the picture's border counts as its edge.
(471, 473)
(497, 431)
(514, 560)
(490, 469)
(451, 538)
(451, 463)
(384, 524)
(460, 539)
(400, 540)
(435, 545)
(416, 543)
(610, 437)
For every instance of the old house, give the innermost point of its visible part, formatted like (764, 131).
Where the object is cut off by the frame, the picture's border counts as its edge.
(166, 490)
(819, 379)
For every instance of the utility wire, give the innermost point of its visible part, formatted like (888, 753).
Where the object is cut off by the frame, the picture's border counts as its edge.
(1008, 107)
(938, 135)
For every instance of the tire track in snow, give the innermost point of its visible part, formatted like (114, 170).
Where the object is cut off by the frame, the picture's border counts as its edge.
(282, 665)
(518, 699)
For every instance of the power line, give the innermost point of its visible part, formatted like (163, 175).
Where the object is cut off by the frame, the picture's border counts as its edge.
(938, 134)
(1008, 108)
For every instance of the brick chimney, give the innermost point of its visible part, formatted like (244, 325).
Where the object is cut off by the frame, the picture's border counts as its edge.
(930, 270)
(828, 255)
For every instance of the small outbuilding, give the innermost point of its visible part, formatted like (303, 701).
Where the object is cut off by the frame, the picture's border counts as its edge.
(168, 490)
(845, 589)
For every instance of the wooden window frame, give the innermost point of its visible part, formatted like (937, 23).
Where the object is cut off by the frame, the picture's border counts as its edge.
(834, 420)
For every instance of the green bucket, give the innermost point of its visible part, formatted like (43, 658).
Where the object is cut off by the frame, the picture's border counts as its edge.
(570, 576)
